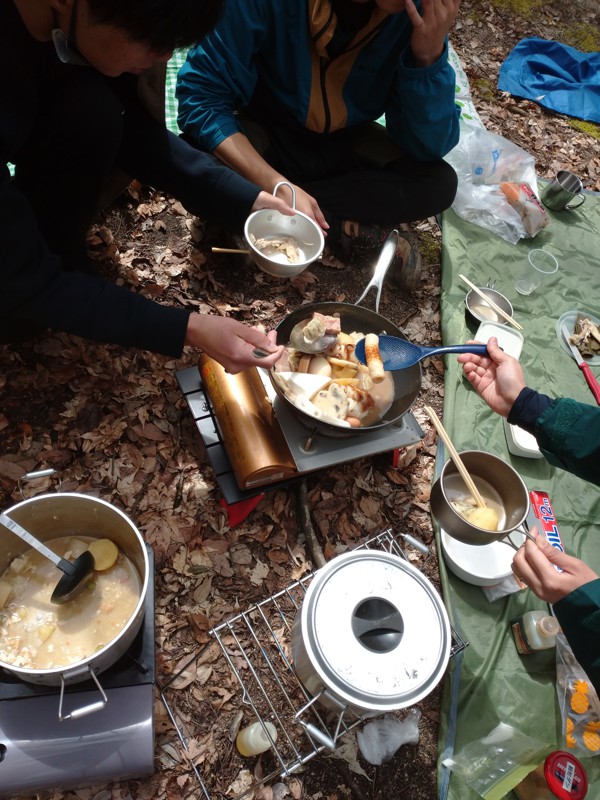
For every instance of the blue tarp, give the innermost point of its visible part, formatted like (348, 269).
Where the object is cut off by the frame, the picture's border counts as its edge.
(554, 75)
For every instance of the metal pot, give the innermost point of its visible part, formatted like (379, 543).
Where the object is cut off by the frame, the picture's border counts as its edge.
(407, 382)
(305, 231)
(50, 516)
(372, 634)
(504, 480)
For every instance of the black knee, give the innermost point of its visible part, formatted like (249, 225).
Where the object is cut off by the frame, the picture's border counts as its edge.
(448, 185)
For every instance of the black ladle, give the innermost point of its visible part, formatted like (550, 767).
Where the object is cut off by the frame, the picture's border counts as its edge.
(76, 572)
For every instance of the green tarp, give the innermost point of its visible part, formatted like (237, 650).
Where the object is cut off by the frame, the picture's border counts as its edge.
(489, 682)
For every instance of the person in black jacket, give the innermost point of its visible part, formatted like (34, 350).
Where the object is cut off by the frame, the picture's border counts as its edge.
(70, 115)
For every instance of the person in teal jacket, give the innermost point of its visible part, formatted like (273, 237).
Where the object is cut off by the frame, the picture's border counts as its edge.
(291, 91)
(568, 434)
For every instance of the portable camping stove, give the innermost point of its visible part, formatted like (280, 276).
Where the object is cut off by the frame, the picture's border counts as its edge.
(39, 752)
(254, 440)
(256, 646)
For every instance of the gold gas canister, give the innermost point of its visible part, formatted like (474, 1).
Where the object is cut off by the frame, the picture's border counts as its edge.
(252, 437)
(561, 776)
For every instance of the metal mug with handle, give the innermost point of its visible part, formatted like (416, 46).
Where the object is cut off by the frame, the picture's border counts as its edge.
(559, 194)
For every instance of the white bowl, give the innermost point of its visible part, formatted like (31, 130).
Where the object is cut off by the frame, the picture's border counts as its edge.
(480, 565)
(266, 223)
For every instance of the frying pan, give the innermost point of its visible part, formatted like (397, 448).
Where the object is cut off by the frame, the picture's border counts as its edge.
(407, 382)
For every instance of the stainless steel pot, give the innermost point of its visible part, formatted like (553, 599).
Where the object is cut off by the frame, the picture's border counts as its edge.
(372, 634)
(50, 516)
(500, 476)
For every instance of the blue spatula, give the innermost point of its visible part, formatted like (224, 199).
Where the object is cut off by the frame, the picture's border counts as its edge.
(397, 353)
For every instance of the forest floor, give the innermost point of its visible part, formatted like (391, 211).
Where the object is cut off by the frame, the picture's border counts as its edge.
(115, 424)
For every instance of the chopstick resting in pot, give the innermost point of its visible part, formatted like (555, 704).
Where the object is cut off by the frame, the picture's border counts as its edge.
(491, 303)
(443, 434)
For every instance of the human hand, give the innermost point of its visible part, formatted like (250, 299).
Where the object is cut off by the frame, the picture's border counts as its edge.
(533, 564)
(231, 343)
(497, 378)
(268, 200)
(430, 28)
(305, 203)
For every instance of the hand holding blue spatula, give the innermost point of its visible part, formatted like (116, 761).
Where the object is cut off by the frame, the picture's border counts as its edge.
(397, 353)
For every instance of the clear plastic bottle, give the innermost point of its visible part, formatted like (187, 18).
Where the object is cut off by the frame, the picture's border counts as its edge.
(535, 630)
(253, 739)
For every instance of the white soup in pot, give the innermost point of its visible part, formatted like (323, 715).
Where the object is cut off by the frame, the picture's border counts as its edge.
(38, 634)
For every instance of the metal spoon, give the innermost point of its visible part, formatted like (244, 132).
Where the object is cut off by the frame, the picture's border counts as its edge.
(320, 345)
(76, 572)
(298, 342)
(397, 353)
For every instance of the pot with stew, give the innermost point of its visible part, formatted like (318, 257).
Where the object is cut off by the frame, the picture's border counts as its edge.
(347, 402)
(319, 376)
(45, 643)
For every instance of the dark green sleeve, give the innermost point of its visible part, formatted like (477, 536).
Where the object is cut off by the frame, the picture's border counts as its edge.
(568, 434)
(579, 617)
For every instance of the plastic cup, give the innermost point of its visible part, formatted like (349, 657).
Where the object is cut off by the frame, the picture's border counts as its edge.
(541, 265)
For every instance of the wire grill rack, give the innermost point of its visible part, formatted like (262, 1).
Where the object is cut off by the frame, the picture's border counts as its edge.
(256, 646)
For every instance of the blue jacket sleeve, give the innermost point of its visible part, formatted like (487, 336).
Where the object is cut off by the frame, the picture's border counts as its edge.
(220, 75)
(579, 617)
(421, 116)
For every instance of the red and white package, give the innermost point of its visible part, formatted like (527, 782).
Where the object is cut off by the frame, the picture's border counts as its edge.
(542, 508)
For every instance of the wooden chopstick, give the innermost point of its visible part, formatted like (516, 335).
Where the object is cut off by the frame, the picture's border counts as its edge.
(491, 303)
(443, 434)
(228, 250)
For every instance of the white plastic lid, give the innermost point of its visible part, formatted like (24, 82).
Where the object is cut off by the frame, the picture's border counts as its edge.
(509, 339)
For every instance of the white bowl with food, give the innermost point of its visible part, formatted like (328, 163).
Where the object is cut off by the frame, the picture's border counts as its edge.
(281, 245)
(584, 329)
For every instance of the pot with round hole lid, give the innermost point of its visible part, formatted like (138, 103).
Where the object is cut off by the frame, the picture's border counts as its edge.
(372, 634)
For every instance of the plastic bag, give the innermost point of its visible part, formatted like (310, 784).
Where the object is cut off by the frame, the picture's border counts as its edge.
(494, 765)
(578, 703)
(482, 161)
(380, 739)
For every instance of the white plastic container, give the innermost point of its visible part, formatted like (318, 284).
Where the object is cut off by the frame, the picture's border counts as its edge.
(509, 339)
(520, 442)
(535, 630)
(253, 739)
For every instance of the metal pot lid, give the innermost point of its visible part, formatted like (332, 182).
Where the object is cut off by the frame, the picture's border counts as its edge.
(375, 630)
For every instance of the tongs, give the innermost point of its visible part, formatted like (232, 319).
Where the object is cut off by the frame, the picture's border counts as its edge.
(388, 251)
